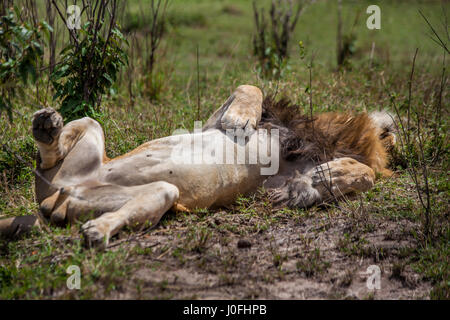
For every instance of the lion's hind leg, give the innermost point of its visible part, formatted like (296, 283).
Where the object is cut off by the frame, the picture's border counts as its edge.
(241, 112)
(84, 201)
(147, 207)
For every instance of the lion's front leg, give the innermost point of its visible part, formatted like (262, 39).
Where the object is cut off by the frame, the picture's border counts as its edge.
(340, 177)
(297, 191)
(241, 112)
(323, 183)
(147, 207)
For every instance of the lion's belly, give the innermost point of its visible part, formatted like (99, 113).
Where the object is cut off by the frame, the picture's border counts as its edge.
(201, 183)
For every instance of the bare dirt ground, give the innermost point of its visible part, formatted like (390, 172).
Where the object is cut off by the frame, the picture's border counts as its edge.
(301, 255)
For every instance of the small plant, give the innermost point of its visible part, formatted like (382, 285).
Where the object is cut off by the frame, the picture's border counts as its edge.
(20, 55)
(346, 47)
(151, 24)
(272, 49)
(197, 239)
(154, 80)
(414, 151)
(313, 264)
(89, 66)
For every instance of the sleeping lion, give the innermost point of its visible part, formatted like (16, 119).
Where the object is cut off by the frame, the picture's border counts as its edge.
(253, 142)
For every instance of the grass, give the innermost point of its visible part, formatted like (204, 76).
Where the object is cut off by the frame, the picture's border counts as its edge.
(382, 225)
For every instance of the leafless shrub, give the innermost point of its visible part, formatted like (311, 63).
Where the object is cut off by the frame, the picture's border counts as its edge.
(437, 139)
(272, 47)
(131, 68)
(5, 4)
(50, 17)
(412, 149)
(156, 29)
(419, 146)
(345, 42)
(435, 35)
(155, 20)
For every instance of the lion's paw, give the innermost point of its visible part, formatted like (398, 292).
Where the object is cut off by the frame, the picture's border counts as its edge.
(278, 197)
(296, 192)
(47, 124)
(94, 234)
(242, 124)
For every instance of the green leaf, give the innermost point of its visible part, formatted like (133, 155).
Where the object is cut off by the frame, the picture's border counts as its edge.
(46, 26)
(107, 77)
(66, 49)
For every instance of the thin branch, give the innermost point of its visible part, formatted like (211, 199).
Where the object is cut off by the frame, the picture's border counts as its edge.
(441, 43)
(71, 32)
(410, 94)
(198, 87)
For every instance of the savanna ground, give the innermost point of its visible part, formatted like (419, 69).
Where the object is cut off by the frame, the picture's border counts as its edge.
(249, 250)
